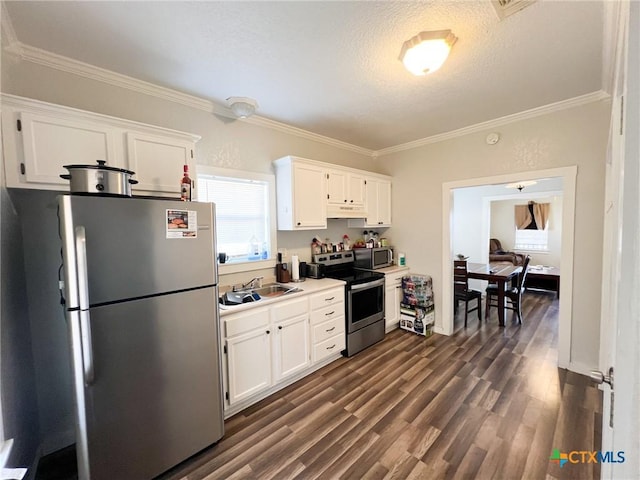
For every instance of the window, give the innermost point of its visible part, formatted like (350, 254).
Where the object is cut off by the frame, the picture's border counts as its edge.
(532, 240)
(245, 216)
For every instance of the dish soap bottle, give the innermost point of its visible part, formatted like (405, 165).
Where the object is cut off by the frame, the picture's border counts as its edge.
(185, 185)
(254, 248)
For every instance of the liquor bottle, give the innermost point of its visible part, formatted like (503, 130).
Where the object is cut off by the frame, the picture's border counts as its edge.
(185, 186)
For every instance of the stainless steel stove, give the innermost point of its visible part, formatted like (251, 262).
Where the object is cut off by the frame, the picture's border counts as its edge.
(364, 300)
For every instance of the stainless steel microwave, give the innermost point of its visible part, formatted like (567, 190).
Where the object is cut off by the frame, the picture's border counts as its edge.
(372, 258)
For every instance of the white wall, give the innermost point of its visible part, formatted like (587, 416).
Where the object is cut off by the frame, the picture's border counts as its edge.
(468, 223)
(503, 228)
(17, 374)
(577, 136)
(573, 137)
(225, 143)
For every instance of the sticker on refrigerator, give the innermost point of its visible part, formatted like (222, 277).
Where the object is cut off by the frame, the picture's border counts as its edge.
(182, 224)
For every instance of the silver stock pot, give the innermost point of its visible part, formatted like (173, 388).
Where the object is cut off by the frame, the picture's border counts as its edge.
(99, 179)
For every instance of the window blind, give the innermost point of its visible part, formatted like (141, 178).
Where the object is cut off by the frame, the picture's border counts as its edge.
(242, 214)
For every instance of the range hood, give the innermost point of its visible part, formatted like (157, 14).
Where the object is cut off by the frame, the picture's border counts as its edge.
(346, 211)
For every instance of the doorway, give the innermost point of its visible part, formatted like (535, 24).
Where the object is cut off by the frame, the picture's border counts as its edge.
(568, 176)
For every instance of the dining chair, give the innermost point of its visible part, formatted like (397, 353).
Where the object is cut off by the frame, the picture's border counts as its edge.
(513, 295)
(463, 292)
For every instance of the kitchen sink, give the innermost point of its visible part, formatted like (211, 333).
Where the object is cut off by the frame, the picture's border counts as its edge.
(274, 290)
(269, 290)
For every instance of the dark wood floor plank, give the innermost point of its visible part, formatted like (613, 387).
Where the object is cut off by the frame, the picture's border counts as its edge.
(486, 402)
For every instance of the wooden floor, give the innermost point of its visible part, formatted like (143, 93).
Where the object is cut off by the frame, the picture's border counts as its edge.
(483, 403)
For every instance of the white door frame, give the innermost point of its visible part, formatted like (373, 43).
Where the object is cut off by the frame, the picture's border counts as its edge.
(620, 329)
(568, 175)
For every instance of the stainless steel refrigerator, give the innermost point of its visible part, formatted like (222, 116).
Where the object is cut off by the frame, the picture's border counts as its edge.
(140, 283)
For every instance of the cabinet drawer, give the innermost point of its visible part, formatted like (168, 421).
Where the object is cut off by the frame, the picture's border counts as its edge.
(290, 309)
(394, 279)
(246, 321)
(326, 330)
(327, 313)
(328, 347)
(328, 297)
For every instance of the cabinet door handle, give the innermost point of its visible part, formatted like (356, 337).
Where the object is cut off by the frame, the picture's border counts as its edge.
(351, 201)
(329, 299)
(331, 347)
(330, 330)
(268, 332)
(279, 327)
(330, 313)
(345, 200)
(298, 223)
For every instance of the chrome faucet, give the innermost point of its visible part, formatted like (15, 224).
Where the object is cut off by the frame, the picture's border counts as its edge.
(255, 282)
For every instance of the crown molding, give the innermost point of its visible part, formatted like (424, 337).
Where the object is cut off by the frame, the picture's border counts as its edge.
(66, 64)
(497, 122)
(283, 127)
(69, 65)
(8, 31)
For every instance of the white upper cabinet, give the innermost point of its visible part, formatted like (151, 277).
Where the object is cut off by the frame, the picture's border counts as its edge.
(50, 142)
(383, 203)
(40, 138)
(309, 192)
(345, 188)
(154, 159)
(301, 197)
(377, 204)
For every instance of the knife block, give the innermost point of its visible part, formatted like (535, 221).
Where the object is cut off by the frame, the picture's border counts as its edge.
(282, 274)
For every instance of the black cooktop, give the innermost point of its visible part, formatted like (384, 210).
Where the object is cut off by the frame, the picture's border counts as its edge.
(355, 277)
(339, 265)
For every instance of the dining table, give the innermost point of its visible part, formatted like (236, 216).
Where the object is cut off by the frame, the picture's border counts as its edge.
(499, 274)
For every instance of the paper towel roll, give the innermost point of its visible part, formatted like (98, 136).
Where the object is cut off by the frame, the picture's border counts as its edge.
(295, 268)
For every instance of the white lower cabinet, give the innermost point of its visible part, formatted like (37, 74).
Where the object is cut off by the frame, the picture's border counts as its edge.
(291, 338)
(327, 323)
(266, 347)
(248, 351)
(392, 298)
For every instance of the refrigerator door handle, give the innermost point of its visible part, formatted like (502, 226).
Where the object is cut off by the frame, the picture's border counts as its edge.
(87, 349)
(83, 294)
(82, 275)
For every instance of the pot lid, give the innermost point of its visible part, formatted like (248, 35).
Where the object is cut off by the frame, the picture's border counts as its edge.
(100, 166)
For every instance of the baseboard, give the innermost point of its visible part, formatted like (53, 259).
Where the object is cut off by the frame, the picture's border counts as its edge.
(581, 368)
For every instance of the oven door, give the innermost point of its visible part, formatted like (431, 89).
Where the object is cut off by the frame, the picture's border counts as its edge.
(365, 304)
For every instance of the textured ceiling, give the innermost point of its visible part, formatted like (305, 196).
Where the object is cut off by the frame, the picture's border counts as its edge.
(332, 67)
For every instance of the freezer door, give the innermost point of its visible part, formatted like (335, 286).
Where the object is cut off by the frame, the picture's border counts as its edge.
(155, 397)
(137, 247)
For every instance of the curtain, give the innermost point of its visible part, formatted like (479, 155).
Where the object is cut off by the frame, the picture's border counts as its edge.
(524, 218)
(541, 214)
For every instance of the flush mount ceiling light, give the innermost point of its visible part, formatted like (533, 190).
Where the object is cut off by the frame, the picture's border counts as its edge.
(242, 107)
(521, 185)
(427, 51)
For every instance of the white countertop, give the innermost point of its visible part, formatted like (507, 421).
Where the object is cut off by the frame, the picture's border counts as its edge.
(393, 269)
(309, 286)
